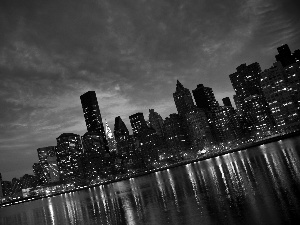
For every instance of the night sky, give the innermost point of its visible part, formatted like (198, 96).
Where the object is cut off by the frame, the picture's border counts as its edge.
(131, 52)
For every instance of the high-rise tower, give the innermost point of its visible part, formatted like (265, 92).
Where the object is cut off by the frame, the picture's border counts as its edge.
(205, 98)
(1, 192)
(138, 123)
(91, 112)
(285, 56)
(156, 121)
(246, 80)
(183, 99)
(227, 102)
(112, 145)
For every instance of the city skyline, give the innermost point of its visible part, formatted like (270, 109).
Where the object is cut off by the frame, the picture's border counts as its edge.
(42, 83)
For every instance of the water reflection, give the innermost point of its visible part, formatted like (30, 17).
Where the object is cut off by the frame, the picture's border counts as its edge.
(256, 186)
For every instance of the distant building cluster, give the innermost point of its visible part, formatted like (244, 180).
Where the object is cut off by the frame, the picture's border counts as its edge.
(267, 103)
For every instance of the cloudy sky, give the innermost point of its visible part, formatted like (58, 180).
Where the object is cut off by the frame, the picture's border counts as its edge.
(129, 51)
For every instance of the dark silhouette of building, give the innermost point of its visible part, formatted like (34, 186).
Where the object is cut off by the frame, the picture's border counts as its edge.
(296, 54)
(28, 181)
(41, 174)
(1, 189)
(138, 123)
(285, 56)
(122, 136)
(156, 122)
(91, 112)
(111, 142)
(68, 152)
(198, 129)
(183, 99)
(6, 188)
(226, 101)
(259, 113)
(96, 160)
(205, 98)
(175, 134)
(246, 80)
(126, 146)
(281, 90)
(226, 124)
(48, 162)
(16, 188)
(148, 139)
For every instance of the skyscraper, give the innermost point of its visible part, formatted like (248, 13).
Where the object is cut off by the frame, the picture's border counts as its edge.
(198, 129)
(183, 99)
(285, 56)
(226, 125)
(226, 101)
(138, 123)
(91, 112)
(68, 151)
(205, 98)
(156, 121)
(259, 113)
(122, 136)
(125, 143)
(277, 83)
(1, 191)
(246, 80)
(47, 160)
(112, 145)
(175, 133)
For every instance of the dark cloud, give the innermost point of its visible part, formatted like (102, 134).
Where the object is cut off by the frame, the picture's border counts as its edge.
(130, 52)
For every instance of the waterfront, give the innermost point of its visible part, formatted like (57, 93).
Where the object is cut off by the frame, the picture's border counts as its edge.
(259, 185)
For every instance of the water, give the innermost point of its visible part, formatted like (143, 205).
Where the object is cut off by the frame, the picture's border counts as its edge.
(260, 185)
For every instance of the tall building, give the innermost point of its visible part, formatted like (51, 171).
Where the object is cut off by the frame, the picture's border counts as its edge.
(6, 188)
(285, 56)
(112, 144)
(183, 99)
(138, 123)
(122, 135)
(1, 190)
(205, 98)
(149, 141)
(175, 134)
(40, 173)
(96, 160)
(126, 146)
(28, 181)
(277, 83)
(198, 128)
(246, 80)
(227, 102)
(238, 101)
(259, 113)
(150, 144)
(156, 121)
(226, 124)
(297, 55)
(68, 152)
(91, 112)
(206, 101)
(48, 162)
(293, 79)
(16, 187)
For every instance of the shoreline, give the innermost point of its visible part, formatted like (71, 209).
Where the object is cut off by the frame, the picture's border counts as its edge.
(239, 148)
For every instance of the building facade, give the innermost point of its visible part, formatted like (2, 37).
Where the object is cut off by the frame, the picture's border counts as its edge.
(156, 122)
(68, 152)
(183, 99)
(205, 98)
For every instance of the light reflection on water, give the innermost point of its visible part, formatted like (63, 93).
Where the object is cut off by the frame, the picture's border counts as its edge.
(260, 185)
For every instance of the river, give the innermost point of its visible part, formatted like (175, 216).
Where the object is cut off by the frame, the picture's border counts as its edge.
(259, 185)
